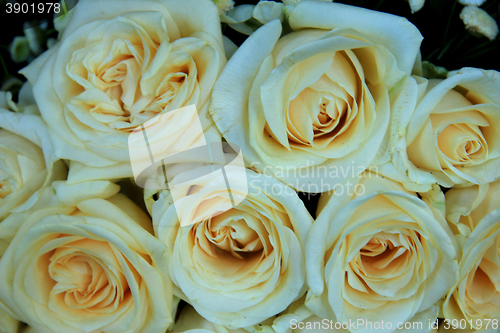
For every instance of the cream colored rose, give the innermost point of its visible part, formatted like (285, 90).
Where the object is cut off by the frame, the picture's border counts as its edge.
(236, 266)
(23, 118)
(452, 136)
(119, 64)
(377, 252)
(26, 159)
(22, 172)
(83, 259)
(467, 206)
(474, 214)
(317, 100)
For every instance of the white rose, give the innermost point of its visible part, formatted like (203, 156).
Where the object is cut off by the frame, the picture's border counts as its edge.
(83, 259)
(23, 118)
(241, 265)
(474, 214)
(453, 133)
(317, 98)
(119, 64)
(26, 159)
(379, 252)
(22, 172)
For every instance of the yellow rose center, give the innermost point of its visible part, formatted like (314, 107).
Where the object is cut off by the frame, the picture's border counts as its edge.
(87, 277)
(20, 163)
(384, 265)
(325, 110)
(124, 82)
(226, 235)
(463, 143)
(383, 255)
(461, 139)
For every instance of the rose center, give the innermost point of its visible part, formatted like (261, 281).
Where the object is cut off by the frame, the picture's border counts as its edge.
(325, 116)
(129, 97)
(383, 255)
(229, 234)
(463, 144)
(84, 280)
(5, 188)
(324, 110)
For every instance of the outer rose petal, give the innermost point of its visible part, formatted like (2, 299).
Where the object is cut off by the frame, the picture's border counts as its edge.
(260, 287)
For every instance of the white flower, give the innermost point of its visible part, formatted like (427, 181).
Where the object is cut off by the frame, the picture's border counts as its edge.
(379, 252)
(241, 265)
(26, 162)
(317, 98)
(451, 137)
(118, 65)
(83, 259)
(474, 214)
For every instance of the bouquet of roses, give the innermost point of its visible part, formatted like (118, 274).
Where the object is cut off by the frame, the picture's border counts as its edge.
(156, 177)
